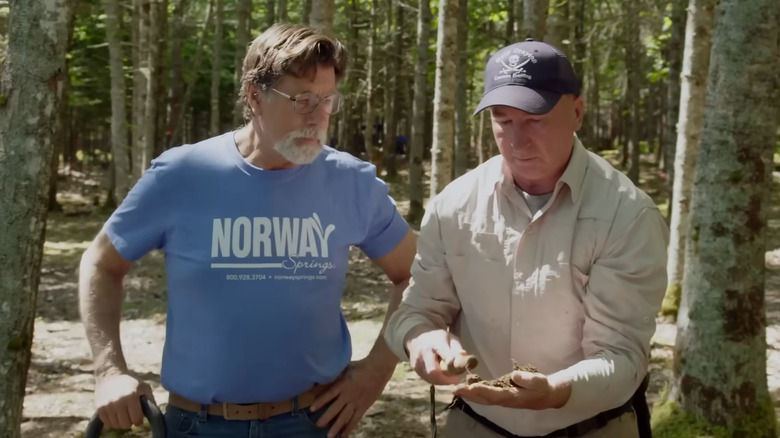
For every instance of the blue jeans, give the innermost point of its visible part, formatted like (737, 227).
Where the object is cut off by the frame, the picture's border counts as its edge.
(299, 423)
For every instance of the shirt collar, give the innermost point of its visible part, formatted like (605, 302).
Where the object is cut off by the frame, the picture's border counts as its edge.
(499, 177)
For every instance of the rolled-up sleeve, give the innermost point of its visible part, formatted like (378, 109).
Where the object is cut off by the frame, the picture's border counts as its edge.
(430, 300)
(624, 293)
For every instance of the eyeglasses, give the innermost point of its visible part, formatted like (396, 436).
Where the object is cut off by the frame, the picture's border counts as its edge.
(306, 103)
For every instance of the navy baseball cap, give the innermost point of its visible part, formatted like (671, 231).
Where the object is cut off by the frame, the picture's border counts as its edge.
(530, 76)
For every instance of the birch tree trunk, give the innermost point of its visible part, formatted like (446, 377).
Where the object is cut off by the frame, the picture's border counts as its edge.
(534, 19)
(393, 96)
(509, 31)
(417, 140)
(216, 69)
(194, 72)
(322, 12)
(176, 94)
(633, 61)
(140, 85)
(559, 27)
(444, 96)
(270, 14)
(243, 15)
(461, 85)
(693, 94)
(306, 13)
(371, 79)
(119, 150)
(283, 14)
(676, 50)
(720, 356)
(32, 75)
(152, 86)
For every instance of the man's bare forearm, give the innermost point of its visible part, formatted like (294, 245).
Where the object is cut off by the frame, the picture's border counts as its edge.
(100, 298)
(380, 352)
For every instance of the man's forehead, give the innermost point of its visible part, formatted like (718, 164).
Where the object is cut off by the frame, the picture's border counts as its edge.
(507, 111)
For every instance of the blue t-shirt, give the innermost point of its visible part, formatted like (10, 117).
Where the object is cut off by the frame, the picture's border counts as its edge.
(256, 263)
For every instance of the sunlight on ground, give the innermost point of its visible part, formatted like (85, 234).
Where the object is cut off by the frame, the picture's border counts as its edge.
(64, 248)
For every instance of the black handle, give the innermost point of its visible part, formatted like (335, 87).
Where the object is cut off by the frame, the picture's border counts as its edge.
(151, 412)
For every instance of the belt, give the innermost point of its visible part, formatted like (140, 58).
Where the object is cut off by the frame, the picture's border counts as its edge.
(254, 411)
(575, 430)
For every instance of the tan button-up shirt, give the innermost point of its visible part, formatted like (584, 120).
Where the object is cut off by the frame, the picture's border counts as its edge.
(573, 289)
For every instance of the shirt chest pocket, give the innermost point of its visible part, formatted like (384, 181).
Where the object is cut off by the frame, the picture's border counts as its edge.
(477, 246)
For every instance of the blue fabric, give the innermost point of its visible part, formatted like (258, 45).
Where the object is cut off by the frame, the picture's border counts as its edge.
(297, 424)
(256, 263)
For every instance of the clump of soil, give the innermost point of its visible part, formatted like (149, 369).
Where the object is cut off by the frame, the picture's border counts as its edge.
(504, 381)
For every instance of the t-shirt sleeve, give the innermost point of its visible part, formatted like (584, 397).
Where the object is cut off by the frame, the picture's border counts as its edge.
(139, 224)
(386, 228)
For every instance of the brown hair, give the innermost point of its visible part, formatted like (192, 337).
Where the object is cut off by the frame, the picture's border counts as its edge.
(288, 48)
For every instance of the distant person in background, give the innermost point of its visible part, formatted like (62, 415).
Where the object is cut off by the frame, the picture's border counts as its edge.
(400, 145)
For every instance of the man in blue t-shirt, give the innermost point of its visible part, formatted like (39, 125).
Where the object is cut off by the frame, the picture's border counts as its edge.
(256, 227)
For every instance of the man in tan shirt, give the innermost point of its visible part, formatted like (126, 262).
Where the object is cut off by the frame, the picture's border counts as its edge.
(545, 255)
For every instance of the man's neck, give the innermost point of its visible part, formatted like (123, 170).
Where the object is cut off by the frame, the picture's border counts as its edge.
(250, 146)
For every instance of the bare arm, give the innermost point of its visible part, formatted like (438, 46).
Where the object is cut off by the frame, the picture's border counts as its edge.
(101, 294)
(365, 379)
(397, 266)
(100, 303)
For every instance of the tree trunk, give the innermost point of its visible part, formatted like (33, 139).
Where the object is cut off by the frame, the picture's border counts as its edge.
(534, 19)
(194, 77)
(161, 77)
(417, 140)
(62, 124)
(152, 86)
(372, 149)
(350, 116)
(444, 96)
(283, 14)
(633, 84)
(322, 12)
(676, 42)
(216, 69)
(721, 351)
(243, 15)
(509, 31)
(32, 74)
(693, 94)
(176, 94)
(119, 152)
(559, 27)
(461, 85)
(306, 11)
(579, 53)
(270, 14)
(140, 86)
(393, 99)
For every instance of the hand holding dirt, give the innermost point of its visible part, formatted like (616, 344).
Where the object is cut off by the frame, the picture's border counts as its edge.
(504, 381)
(459, 364)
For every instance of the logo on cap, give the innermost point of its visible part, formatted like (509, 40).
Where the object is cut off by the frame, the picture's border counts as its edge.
(513, 64)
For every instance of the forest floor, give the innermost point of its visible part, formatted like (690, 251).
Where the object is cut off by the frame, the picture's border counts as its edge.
(59, 395)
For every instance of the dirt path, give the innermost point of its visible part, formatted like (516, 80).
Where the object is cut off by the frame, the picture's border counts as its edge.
(59, 388)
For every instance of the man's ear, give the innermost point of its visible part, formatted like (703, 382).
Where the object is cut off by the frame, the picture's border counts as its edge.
(579, 111)
(253, 98)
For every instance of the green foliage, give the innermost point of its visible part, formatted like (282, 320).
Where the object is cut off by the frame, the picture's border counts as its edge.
(669, 422)
(671, 304)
